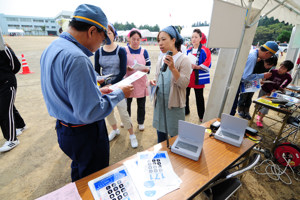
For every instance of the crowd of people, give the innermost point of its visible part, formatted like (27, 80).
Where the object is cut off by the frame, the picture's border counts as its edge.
(69, 79)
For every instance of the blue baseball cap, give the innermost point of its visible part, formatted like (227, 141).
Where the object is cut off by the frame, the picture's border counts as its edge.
(93, 15)
(271, 46)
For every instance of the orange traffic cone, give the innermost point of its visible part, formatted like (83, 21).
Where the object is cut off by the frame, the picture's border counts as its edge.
(25, 68)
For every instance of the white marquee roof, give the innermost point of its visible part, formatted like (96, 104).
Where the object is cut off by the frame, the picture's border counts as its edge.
(287, 10)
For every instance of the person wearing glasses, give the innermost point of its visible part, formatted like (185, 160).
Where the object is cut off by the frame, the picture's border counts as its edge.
(71, 94)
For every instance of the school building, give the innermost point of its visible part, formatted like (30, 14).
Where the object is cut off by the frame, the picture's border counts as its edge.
(27, 25)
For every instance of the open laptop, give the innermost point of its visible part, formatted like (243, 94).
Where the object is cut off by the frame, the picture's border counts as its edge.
(190, 140)
(232, 130)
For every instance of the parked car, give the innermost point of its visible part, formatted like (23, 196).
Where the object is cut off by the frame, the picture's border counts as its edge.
(284, 47)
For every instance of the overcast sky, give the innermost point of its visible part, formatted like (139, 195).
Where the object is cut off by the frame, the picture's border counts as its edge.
(140, 12)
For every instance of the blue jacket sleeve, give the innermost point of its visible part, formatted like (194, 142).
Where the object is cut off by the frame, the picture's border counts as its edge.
(88, 104)
(248, 71)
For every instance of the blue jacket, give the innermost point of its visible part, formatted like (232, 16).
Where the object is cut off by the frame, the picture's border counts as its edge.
(69, 85)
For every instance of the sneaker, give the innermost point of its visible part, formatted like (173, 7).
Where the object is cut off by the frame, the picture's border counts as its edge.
(241, 114)
(122, 125)
(9, 145)
(259, 124)
(113, 134)
(247, 116)
(19, 131)
(259, 118)
(133, 141)
(141, 127)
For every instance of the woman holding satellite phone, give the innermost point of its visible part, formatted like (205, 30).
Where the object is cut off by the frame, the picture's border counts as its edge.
(171, 78)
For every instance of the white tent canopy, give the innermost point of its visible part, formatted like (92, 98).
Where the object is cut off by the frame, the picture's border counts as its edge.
(15, 31)
(231, 61)
(285, 10)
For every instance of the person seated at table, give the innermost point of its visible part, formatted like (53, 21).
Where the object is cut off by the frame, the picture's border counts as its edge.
(280, 79)
(245, 101)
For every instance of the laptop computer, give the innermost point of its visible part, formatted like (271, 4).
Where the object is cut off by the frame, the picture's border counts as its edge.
(190, 140)
(232, 130)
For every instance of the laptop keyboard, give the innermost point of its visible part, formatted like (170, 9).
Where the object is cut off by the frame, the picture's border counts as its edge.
(230, 135)
(186, 146)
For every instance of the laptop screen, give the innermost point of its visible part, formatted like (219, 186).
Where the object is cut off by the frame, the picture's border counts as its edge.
(233, 125)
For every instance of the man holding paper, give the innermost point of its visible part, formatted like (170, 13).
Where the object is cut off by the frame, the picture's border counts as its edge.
(71, 94)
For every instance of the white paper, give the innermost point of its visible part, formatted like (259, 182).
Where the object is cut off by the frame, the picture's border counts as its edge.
(127, 81)
(104, 77)
(152, 91)
(68, 192)
(139, 67)
(153, 174)
(192, 58)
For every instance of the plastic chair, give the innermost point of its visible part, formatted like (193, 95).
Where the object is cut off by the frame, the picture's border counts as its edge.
(228, 184)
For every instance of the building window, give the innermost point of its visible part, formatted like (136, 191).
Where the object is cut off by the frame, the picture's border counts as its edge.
(38, 20)
(53, 26)
(12, 19)
(13, 26)
(27, 26)
(25, 19)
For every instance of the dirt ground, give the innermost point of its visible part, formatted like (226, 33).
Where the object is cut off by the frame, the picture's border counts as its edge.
(38, 166)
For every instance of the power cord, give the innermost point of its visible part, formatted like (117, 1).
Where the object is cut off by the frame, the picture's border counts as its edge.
(274, 170)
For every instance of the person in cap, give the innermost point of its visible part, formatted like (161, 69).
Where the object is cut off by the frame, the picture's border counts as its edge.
(112, 60)
(264, 52)
(71, 94)
(138, 55)
(200, 73)
(169, 99)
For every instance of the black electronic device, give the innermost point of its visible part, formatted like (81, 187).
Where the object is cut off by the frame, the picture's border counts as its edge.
(164, 67)
(215, 126)
(251, 131)
(280, 101)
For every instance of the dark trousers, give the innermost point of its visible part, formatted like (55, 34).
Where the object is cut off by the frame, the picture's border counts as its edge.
(161, 136)
(19, 122)
(235, 103)
(199, 101)
(10, 118)
(87, 146)
(141, 110)
(245, 100)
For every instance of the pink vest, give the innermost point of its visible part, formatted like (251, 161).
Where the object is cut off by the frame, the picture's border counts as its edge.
(141, 85)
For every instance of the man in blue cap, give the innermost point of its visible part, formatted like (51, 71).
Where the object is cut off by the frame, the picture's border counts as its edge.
(264, 52)
(70, 90)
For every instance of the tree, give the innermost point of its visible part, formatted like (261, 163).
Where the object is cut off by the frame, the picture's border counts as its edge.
(272, 30)
(284, 36)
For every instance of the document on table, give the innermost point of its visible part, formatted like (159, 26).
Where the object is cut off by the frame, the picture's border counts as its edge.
(153, 174)
(127, 81)
(68, 192)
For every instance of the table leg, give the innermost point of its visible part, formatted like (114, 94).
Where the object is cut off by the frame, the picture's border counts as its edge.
(253, 115)
(275, 142)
